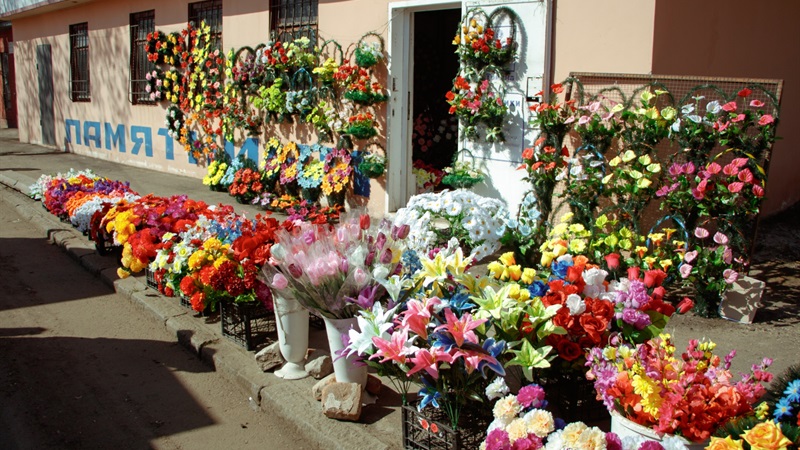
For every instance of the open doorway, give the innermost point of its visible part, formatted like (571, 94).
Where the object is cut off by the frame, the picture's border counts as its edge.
(434, 139)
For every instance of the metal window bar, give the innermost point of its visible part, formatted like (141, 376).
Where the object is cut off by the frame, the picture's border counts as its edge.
(142, 23)
(79, 62)
(293, 19)
(209, 12)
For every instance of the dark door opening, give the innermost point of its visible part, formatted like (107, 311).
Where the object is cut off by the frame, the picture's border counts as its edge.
(435, 131)
(44, 65)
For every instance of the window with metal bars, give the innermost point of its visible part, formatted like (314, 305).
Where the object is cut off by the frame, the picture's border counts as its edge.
(142, 23)
(209, 12)
(79, 62)
(292, 19)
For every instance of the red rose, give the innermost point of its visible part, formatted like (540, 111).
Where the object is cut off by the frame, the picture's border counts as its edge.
(654, 277)
(594, 327)
(569, 350)
(563, 319)
(612, 261)
(601, 308)
(633, 273)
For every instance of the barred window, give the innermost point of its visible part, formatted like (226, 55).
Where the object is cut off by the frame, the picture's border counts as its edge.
(142, 23)
(209, 12)
(79, 62)
(292, 19)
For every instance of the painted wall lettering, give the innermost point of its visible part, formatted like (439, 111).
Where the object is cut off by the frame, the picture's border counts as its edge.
(140, 140)
(89, 137)
(139, 136)
(116, 137)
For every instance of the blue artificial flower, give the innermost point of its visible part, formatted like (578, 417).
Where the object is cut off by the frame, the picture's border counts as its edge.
(494, 348)
(443, 340)
(792, 391)
(538, 288)
(559, 269)
(460, 303)
(411, 261)
(429, 395)
(783, 408)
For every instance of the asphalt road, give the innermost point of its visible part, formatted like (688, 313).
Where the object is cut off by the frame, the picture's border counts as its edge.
(82, 367)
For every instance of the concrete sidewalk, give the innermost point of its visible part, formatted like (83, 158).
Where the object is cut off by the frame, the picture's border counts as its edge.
(22, 164)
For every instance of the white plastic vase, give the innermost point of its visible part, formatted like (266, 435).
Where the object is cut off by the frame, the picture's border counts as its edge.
(343, 368)
(623, 427)
(291, 321)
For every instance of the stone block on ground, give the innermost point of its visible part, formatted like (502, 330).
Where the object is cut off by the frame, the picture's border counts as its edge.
(316, 390)
(319, 364)
(269, 357)
(342, 401)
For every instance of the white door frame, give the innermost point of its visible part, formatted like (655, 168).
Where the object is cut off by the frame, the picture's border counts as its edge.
(400, 183)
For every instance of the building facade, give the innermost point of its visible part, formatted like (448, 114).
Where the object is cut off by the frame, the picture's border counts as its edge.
(80, 88)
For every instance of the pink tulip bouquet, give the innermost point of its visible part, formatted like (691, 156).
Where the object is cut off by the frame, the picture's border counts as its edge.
(336, 270)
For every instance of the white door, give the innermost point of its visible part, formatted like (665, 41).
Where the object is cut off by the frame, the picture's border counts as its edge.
(527, 76)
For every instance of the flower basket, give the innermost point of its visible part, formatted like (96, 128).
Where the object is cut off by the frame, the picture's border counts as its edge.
(336, 198)
(573, 397)
(362, 130)
(310, 195)
(371, 169)
(248, 324)
(458, 181)
(429, 429)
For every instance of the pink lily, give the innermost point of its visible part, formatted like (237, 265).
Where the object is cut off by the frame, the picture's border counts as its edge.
(461, 329)
(392, 350)
(426, 360)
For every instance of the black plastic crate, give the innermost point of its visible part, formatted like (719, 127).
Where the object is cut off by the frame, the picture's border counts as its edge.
(150, 278)
(247, 324)
(430, 429)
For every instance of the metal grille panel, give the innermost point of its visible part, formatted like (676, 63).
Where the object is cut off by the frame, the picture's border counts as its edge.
(209, 12)
(292, 19)
(142, 23)
(80, 88)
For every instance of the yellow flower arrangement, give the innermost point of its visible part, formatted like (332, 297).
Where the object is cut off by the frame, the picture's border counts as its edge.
(121, 225)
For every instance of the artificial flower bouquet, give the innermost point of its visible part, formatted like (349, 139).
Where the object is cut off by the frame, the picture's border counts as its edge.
(427, 177)
(433, 337)
(522, 422)
(361, 126)
(372, 165)
(216, 173)
(690, 395)
(478, 46)
(335, 269)
(364, 91)
(775, 423)
(368, 54)
(476, 222)
(247, 185)
(476, 103)
(338, 171)
(711, 268)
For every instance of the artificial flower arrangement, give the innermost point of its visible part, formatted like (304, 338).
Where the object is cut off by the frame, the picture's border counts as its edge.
(155, 84)
(732, 192)
(476, 222)
(372, 165)
(216, 172)
(338, 170)
(311, 171)
(522, 422)
(774, 423)
(644, 127)
(248, 184)
(631, 181)
(711, 268)
(364, 91)
(582, 174)
(542, 164)
(553, 119)
(478, 46)
(598, 125)
(462, 174)
(478, 103)
(335, 269)
(369, 54)
(434, 340)
(312, 212)
(289, 157)
(690, 395)
(361, 126)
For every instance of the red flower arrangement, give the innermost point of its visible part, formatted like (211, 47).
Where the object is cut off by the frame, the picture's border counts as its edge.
(247, 185)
